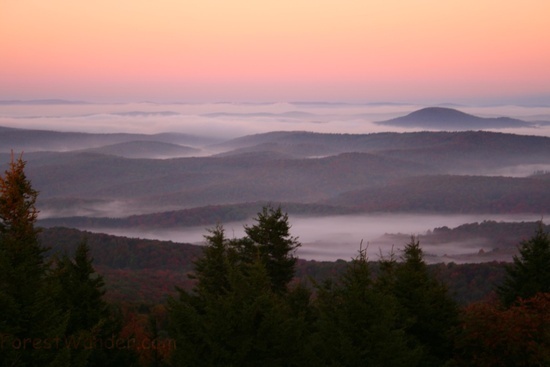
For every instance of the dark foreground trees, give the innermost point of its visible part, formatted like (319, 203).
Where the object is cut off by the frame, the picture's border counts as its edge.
(28, 311)
(426, 309)
(245, 309)
(529, 274)
(51, 314)
(494, 336)
(242, 311)
(358, 325)
(91, 323)
(513, 330)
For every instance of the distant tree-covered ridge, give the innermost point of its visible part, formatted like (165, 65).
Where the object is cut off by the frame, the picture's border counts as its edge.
(144, 270)
(348, 170)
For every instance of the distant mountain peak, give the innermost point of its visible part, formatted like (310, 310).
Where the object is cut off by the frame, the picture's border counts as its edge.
(441, 112)
(449, 118)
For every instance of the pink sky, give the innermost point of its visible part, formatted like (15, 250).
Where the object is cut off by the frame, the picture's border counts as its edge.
(245, 50)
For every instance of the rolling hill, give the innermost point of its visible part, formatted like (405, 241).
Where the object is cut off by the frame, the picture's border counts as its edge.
(452, 194)
(312, 174)
(443, 118)
(25, 140)
(145, 149)
(200, 181)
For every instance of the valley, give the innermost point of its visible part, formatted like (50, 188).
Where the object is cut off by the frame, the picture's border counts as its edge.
(338, 188)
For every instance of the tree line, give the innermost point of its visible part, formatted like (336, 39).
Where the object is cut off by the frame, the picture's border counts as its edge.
(247, 308)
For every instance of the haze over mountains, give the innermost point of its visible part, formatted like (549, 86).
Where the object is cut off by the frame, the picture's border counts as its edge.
(178, 181)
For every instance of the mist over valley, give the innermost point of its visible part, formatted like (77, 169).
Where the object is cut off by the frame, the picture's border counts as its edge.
(171, 171)
(331, 238)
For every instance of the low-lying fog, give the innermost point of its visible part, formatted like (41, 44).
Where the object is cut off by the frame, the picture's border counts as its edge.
(339, 237)
(229, 120)
(322, 238)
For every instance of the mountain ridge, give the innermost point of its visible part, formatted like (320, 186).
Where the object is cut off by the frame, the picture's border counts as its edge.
(450, 118)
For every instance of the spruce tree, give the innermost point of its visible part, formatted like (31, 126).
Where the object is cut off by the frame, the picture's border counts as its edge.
(240, 311)
(243, 324)
(90, 318)
(29, 322)
(427, 311)
(272, 240)
(359, 325)
(22, 255)
(211, 270)
(529, 274)
(82, 290)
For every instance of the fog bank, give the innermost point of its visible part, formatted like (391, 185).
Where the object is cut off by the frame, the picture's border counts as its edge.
(339, 237)
(229, 120)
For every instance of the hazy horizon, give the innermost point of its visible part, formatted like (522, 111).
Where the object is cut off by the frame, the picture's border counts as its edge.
(426, 52)
(230, 120)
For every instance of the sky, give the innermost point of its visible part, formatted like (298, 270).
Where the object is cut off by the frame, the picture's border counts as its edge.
(421, 51)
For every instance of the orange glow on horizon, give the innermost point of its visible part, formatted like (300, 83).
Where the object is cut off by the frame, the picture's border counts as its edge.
(243, 48)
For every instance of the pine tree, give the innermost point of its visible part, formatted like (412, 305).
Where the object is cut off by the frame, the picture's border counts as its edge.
(272, 239)
(246, 324)
(235, 315)
(90, 319)
(28, 309)
(358, 325)
(428, 313)
(530, 272)
(211, 270)
(22, 255)
(82, 290)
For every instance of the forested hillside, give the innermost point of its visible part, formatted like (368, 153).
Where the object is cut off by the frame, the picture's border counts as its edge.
(452, 194)
(290, 167)
(140, 270)
(249, 300)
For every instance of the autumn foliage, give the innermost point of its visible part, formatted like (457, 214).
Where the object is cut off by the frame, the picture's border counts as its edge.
(495, 336)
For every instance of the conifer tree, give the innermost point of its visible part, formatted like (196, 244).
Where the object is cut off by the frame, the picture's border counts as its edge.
(28, 310)
(358, 325)
(246, 324)
(211, 270)
(90, 319)
(529, 274)
(237, 314)
(82, 290)
(271, 237)
(427, 311)
(22, 255)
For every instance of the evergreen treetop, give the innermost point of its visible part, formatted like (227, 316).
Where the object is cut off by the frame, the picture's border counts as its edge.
(529, 273)
(271, 237)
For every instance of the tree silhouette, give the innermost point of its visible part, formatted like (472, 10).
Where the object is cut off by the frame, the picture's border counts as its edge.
(241, 312)
(26, 292)
(272, 240)
(530, 272)
(427, 312)
(357, 324)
